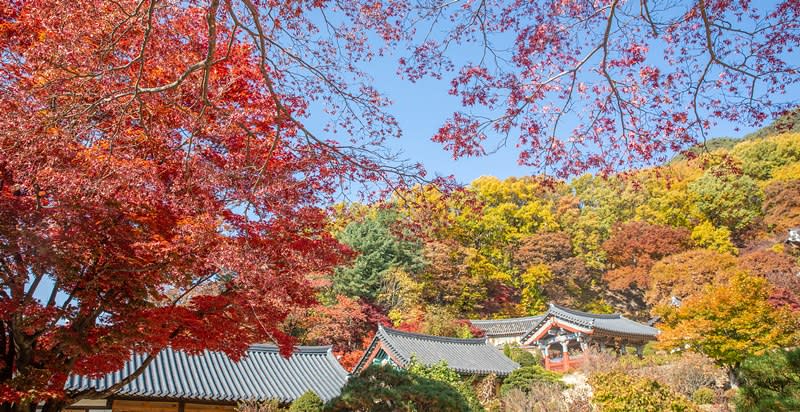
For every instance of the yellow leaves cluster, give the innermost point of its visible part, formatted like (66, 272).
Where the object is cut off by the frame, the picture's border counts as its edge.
(707, 236)
(533, 280)
(730, 321)
(686, 274)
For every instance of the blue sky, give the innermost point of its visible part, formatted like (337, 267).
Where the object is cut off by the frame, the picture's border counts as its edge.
(422, 107)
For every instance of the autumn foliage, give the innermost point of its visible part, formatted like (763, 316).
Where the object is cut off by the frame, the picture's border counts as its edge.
(156, 186)
(634, 247)
(160, 185)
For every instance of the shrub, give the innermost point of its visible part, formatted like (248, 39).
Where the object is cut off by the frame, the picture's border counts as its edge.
(524, 378)
(685, 374)
(703, 396)
(545, 397)
(442, 373)
(521, 356)
(385, 388)
(307, 402)
(693, 371)
(618, 392)
(770, 382)
(272, 405)
(486, 390)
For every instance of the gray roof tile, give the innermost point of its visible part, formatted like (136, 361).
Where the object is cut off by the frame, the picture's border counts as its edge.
(467, 356)
(212, 376)
(506, 327)
(613, 323)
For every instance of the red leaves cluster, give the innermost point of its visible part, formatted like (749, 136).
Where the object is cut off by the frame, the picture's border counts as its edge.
(634, 247)
(605, 85)
(343, 324)
(147, 199)
(782, 273)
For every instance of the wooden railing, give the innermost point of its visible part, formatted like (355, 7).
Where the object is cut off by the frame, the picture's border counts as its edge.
(564, 363)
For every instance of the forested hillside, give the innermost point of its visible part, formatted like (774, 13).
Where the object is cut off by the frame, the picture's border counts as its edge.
(428, 259)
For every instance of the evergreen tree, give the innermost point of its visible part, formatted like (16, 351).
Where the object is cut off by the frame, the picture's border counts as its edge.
(379, 249)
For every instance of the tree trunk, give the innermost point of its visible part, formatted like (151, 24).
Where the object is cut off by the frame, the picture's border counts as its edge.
(53, 405)
(733, 377)
(18, 407)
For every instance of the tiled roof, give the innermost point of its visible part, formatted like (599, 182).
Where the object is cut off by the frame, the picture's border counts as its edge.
(261, 374)
(609, 323)
(468, 356)
(506, 327)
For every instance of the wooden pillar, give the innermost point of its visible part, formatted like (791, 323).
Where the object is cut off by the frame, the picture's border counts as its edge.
(565, 355)
(546, 357)
(640, 350)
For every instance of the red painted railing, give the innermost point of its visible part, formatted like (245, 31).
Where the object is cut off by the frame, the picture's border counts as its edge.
(563, 364)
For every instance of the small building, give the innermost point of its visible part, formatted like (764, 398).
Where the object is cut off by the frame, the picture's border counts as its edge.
(465, 356)
(794, 236)
(563, 334)
(178, 382)
(506, 331)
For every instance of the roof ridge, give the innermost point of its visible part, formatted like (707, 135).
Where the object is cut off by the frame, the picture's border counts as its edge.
(271, 347)
(507, 320)
(471, 341)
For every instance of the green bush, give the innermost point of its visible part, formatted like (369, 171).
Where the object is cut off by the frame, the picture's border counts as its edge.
(385, 388)
(703, 396)
(770, 382)
(521, 356)
(307, 402)
(523, 378)
(618, 392)
(272, 405)
(442, 373)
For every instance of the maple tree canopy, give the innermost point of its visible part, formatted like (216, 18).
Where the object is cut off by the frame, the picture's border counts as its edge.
(605, 85)
(159, 185)
(155, 186)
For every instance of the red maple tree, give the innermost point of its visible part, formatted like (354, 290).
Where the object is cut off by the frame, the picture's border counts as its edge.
(157, 183)
(634, 248)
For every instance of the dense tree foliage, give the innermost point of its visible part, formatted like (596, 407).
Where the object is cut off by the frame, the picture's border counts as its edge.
(638, 243)
(635, 246)
(380, 388)
(770, 382)
(380, 250)
(729, 322)
(156, 185)
(727, 199)
(618, 392)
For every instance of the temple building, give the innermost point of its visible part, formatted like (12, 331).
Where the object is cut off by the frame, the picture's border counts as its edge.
(506, 331)
(465, 356)
(212, 382)
(562, 334)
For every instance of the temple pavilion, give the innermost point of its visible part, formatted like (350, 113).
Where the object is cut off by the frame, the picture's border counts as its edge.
(563, 334)
(465, 356)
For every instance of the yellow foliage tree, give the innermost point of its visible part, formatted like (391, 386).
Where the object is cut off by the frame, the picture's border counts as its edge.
(533, 280)
(729, 322)
(707, 236)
